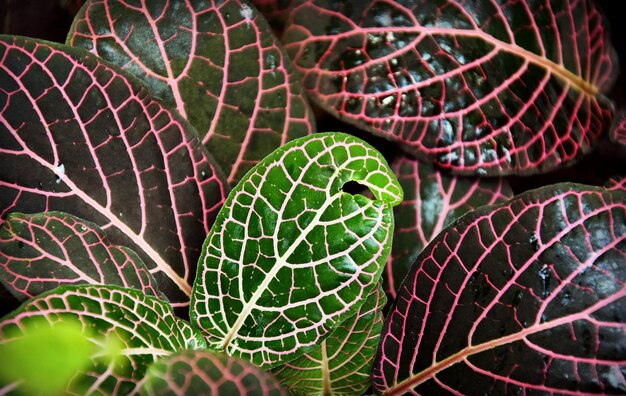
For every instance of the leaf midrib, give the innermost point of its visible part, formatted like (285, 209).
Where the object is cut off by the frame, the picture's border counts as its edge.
(271, 275)
(556, 69)
(412, 381)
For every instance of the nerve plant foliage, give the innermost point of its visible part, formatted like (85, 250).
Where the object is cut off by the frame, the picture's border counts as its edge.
(485, 87)
(117, 151)
(216, 62)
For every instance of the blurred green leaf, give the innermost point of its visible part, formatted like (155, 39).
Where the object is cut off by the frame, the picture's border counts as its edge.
(46, 357)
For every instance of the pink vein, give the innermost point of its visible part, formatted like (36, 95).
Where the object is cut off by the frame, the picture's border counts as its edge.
(161, 265)
(419, 378)
(556, 68)
(180, 104)
(220, 100)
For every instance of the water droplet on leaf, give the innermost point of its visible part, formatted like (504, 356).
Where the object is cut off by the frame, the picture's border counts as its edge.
(60, 172)
(387, 124)
(534, 241)
(545, 274)
(567, 296)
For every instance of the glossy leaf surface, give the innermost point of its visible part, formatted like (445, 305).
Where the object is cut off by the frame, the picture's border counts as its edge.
(525, 297)
(342, 365)
(79, 136)
(432, 200)
(216, 62)
(42, 251)
(488, 87)
(291, 255)
(206, 373)
(139, 329)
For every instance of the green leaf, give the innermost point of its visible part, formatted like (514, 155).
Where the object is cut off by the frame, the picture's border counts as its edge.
(42, 251)
(291, 255)
(45, 358)
(342, 365)
(206, 373)
(134, 330)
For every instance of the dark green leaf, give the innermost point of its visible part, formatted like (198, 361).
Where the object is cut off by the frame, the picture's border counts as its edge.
(432, 200)
(80, 136)
(479, 87)
(291, 255)
(524, 297)
(342, 365)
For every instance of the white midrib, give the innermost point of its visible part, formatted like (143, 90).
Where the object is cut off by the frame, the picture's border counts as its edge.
(280, 261)
(135, 351)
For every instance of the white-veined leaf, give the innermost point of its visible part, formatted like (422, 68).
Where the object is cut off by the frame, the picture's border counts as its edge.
(291, 255)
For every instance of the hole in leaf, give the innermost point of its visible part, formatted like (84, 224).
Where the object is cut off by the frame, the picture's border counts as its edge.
(354, 187)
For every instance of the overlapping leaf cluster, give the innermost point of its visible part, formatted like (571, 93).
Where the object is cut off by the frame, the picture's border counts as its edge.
(156, 168)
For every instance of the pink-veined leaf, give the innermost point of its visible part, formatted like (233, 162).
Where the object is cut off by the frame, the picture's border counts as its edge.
(206, 373)
(43, 251)
(343, 362)
(79, 136)
(616, 183)
(432, 200)
(128, 330)
(523, 297)
(480, 87)
(618, 130)
(216, 62)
